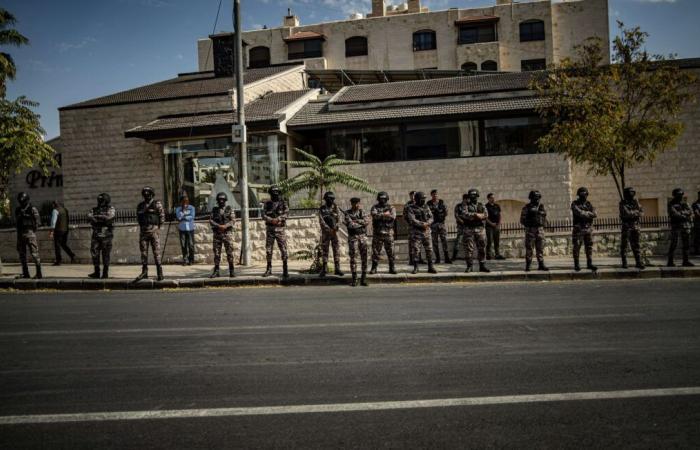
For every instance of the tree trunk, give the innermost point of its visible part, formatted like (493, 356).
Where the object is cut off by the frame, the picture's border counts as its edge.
(614, 175)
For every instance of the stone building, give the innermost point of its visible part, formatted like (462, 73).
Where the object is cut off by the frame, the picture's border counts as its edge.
(509, 36)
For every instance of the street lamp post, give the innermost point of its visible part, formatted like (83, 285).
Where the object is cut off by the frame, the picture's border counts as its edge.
(239, 132)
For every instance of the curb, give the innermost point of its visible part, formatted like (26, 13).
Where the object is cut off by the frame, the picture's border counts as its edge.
(73, 284)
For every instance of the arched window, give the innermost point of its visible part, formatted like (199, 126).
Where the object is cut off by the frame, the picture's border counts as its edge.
(259, 57)
(489, 66)
(356, 46)
(470, 66)
(424, 40)
(531, 30)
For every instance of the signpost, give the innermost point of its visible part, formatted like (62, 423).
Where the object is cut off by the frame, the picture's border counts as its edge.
(238, 133)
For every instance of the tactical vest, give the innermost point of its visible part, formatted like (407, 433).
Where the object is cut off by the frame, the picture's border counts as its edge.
(62, 220)
(25, 219)
(420, 213)
(632, 206)
(439, 211)
(275, 209)
(381, 224)
(472, 209)
(329, 216)
(100, 225)
(148, 214)
(359, 215)
(583, 222)
(221, 216)
(533, 218)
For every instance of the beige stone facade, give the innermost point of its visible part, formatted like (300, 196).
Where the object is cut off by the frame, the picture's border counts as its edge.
(390, 36)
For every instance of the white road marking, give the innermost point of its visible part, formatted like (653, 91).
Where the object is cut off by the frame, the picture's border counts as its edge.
(345, 407)
(246, 328)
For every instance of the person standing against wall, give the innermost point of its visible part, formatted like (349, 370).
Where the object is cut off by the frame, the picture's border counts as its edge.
(185, 215)
(59, 232)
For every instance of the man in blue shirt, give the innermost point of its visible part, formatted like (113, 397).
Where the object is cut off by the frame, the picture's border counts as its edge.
(185, 215)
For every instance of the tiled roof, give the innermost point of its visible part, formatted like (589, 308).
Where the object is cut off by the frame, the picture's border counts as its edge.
(262, 109)
(200, 84)
(436, 87)
(471, 19)
(316, 114)
(304, 35)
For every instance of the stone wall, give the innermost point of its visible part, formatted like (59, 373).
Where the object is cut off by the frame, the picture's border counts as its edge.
(302, 234)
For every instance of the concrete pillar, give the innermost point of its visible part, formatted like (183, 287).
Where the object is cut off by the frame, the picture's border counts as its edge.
(413, 6)
(378, 8)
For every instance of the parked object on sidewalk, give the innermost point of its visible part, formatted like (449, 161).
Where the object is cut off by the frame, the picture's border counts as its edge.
(102, 221)
(59, 232)
(27, 219)
(185, 214)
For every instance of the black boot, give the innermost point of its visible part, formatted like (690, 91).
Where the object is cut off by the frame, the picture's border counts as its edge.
(624, 261)
(541, 267)
(686, 261)
(231, 272)
(437, 256)
(670, 262)
(454, 255)
(25, 271)
(528, 264)
(447, 259)
(105, 272)
(590, 266)
(268, 271)
(363, 279)
(38, 274)
(215, 272)
(159, 273)
(285, 270)
(483, 268)
(577, 266)
(431, 268)
(392, 268)
(638, 262)
(374, 268)
(324, 270)
(353, 283)
(96, 273)
(337, 269)
(415, 268)
(143, 275)
(469, 269)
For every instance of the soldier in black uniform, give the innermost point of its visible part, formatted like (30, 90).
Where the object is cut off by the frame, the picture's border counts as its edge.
(696, 219)
(222, 221)
(419, 220)
(329, 219)
(472, 215)
(493, 228)
(28, 221)
(383, 219)
(438, 229)
(356, 222)
(275, 213)
(681, 225)
(150, 215)
(583, 213)
(533, 217)
(630, 216)
(102, 222)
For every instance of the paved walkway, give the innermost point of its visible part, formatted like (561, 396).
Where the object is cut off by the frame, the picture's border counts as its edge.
(74, 276)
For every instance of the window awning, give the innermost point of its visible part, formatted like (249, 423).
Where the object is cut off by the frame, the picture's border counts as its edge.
(466, 20)
(304, 36)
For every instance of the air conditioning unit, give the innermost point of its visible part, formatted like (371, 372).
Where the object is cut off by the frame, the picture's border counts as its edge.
(356, 16)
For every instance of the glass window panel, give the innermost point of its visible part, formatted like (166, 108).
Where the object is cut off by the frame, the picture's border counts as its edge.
(528, 65)
(374, 144)
(532, 31)
(513, 136)
(442, 140)
(424, 40)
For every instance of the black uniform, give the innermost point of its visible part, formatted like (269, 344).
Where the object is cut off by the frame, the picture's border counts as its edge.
(681, 226)
(696, 220)
(28, 220)
(583, 215)
(473, 231)
(630, 217)
(419, 220)
(493, 230)
(438, 229)
(356, 222)
(102, 222)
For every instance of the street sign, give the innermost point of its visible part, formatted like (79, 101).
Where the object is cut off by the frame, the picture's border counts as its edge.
(238, 133)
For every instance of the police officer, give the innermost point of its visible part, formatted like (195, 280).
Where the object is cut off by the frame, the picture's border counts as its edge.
(472, 215)
(630, 216)
(419, 220)
(102, 221)
(383, 220)
(681, 225)
(533, 217)
(275, 213)
(438, 229)
(150, 215)
(696, 219)
(222, 221)
(356, 222)
(583, 214)
(329, 219)
(411, 246)
(28, 220)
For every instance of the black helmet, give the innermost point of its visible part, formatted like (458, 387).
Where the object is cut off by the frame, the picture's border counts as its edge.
(473, 193)
(534, 195)
(104, 199)
(419, 195)
(221, 196)
(274, 190)
(582, 191)
(23, 198)
(383, 196)
(148, 192)
(629, 192)
(678, 192)
(329, 196)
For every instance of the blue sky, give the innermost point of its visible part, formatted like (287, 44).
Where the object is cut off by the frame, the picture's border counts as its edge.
(82, 49)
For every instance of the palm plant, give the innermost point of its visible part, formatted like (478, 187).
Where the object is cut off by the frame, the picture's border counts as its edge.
(321, 176)
(8, 36)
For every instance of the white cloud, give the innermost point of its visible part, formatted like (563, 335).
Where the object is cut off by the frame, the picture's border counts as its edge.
(66, 46)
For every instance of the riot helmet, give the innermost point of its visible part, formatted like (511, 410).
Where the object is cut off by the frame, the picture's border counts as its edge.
(678, 194)
(221, 199)
(23, 199)
(383, 198)
(329, 198)
(355, 202)
(582, 193)
(275, 193)
(535, 196)
(629, 193)
(148, 193)
(419, 198)
(103, 200)
(473, 195)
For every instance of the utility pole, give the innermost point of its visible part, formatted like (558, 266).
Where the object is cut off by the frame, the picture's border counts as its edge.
(239, 133)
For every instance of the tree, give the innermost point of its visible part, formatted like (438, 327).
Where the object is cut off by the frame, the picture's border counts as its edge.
(614, 117)
(321, 176)
(8, 36)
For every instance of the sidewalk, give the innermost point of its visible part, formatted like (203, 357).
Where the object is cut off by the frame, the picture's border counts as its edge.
(74, 276)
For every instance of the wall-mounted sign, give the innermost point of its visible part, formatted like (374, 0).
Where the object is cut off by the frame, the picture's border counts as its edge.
(36, 179)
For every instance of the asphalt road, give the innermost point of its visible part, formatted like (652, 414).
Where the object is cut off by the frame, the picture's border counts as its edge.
(173, 363)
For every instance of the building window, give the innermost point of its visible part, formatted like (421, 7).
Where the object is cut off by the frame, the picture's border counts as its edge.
(424, 40)
(532, 30)
(513, 136)
(489, 66)
(528, 65)
(259, 57)
(372, 144)
(473, 34)
(311, 48)
(356, 46)
(470, 67)
(442, 140)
